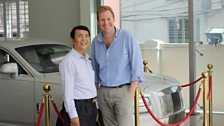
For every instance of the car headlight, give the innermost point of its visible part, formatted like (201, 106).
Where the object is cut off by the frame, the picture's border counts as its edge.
(170, 101)
(166, 104)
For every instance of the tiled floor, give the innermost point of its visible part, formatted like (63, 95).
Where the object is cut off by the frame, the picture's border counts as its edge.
(197, 120)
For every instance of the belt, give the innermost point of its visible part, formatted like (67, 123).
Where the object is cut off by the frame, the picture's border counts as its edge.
(119, 86)
(91, 100)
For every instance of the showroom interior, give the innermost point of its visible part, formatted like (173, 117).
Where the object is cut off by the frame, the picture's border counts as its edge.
(183, 54)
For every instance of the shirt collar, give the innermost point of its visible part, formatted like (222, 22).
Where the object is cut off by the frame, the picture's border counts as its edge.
(100, 37)
(78, 55)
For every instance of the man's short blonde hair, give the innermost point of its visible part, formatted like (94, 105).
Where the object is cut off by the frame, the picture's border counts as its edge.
(103, 9)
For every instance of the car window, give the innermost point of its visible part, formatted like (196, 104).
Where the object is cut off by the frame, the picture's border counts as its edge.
(4, 57)
(44, 58)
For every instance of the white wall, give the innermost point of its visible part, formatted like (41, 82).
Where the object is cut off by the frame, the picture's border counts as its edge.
(53, 19)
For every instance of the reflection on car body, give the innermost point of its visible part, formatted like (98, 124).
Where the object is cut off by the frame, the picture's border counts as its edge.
(26, 65)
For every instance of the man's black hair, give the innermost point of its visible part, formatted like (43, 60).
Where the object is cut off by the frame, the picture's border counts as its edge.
(79, 27)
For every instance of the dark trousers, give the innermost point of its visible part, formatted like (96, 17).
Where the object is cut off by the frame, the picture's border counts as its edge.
(86, 110)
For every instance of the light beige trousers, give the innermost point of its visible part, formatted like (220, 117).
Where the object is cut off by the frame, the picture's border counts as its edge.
(116, 105)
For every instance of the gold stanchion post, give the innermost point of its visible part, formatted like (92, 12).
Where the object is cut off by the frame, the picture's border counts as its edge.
(205, 121)
(210, 66)
(137, 120)
(46, 88)
(137, 117)
(145, 65)
(146, 69)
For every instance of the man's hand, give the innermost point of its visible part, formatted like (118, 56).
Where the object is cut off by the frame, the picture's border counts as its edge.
(75, 121)
(133, 87)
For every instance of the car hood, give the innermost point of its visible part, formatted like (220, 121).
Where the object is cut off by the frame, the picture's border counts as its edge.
(155, 82)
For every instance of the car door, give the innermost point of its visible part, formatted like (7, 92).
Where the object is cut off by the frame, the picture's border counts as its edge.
(16, 94)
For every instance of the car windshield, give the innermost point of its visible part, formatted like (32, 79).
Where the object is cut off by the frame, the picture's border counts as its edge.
(44, 58)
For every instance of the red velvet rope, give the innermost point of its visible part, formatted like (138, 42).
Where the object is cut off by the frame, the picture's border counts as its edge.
(57, 111)
(192, 82)
(40, 113)
(178, 123)
(210, 88)
(55, 108)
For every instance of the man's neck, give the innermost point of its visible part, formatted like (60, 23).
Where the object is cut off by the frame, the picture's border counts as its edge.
(108, 38)
(81, 52)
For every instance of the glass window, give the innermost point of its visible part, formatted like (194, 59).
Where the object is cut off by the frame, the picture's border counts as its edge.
(178, 30)
(165, 20)
(7, 58)
(44, 58)
(14, 20)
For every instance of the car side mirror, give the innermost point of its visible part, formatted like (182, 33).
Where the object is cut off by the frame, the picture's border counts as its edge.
(10, 68)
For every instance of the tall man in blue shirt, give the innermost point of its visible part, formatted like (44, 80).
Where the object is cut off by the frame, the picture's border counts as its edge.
(117, 61)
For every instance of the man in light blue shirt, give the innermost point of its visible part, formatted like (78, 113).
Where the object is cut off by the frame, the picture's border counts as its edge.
(118, 66)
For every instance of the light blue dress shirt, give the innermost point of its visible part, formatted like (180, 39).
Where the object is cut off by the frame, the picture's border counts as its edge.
(77, 79)
(120, 63)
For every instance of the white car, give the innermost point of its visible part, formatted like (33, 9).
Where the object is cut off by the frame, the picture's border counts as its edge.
(26, 65)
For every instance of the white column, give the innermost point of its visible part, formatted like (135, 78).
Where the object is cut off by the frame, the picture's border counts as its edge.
(88, 15)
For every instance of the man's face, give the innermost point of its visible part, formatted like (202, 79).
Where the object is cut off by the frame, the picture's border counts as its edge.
(106, 21)
(81, 40)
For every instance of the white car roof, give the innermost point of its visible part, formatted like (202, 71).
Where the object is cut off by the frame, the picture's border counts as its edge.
(26, 42)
